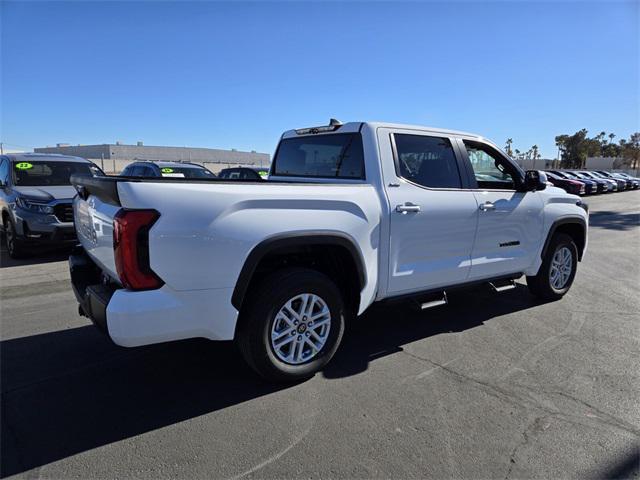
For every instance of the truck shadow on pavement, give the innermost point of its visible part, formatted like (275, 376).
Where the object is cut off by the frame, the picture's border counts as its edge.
(70, 391)
(41, 256)
(384, 329)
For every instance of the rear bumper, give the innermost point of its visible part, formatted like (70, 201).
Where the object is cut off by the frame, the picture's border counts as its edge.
(139, 318)
(93, 297)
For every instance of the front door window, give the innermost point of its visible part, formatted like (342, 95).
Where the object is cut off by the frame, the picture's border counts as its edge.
(491, 170)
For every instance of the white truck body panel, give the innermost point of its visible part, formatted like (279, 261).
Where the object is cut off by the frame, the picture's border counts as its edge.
(207, 248)
(94, 225)
(207, 230)
(518, 217)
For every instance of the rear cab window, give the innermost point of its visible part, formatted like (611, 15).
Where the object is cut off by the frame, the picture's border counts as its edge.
(336, 155)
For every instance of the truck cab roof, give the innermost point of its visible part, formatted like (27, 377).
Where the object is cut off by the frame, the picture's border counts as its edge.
(357, 126)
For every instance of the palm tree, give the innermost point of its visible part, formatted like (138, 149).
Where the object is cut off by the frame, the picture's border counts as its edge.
(534, 155)
(507, 147)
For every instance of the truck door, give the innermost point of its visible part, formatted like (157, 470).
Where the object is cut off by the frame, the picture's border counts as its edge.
(510, 221)
(433, 213)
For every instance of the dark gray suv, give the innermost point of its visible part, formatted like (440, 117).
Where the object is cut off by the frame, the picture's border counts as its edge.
(35, 199)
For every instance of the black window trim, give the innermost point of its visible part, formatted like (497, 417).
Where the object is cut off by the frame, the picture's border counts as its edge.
(363, 178)
(154, 169)
(464, 181)
(519, 177)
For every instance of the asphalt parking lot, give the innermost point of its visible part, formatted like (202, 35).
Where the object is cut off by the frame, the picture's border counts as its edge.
(491, 386)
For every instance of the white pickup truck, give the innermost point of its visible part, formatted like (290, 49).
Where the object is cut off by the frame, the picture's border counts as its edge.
(351, 214)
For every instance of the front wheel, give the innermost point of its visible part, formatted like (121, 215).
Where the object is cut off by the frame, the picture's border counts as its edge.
(292, 324)
(558, 269)
(14, 244)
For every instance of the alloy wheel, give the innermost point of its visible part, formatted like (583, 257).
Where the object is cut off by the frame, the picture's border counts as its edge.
(300, 329)
(561, 268)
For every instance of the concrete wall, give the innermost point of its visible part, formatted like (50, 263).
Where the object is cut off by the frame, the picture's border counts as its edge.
(538, 164)
(85, 151)
(187, 154)
(604, 163)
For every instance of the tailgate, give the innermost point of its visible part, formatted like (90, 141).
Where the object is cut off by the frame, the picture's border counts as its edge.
(94, 227)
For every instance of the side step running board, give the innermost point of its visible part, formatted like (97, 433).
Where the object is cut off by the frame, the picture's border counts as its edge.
(435, 303)
(510, 285)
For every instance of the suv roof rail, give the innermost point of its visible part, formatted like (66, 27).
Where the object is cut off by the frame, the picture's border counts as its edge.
(151, 160)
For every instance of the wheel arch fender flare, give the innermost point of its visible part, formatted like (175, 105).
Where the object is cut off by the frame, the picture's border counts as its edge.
(562, 222)
(294, 239)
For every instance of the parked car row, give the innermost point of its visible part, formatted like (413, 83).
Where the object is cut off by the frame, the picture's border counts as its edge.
(36, 194)
(158, 169)
(591, 182)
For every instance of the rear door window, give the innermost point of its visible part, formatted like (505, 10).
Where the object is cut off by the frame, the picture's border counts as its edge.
(137, 171)
(427, 161)
(148, 171)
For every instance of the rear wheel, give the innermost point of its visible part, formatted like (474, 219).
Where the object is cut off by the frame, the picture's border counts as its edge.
(558, 269)
(292, 325)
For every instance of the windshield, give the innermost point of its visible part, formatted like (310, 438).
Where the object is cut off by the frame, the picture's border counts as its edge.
(186, 172)
(36, 173)
(577, 175)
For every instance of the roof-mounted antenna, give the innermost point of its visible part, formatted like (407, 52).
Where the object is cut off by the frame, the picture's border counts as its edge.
(335, 123)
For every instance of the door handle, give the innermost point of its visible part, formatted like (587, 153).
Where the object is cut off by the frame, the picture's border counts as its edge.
(408, 207)
(487, 206)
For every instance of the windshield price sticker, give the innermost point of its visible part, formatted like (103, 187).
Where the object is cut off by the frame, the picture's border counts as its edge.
(167, 170)
(24, 166)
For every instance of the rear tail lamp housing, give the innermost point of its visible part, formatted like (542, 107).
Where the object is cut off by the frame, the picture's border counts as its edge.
(131, 249)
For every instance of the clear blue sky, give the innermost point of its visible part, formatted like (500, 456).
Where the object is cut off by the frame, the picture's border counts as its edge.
(236, 74)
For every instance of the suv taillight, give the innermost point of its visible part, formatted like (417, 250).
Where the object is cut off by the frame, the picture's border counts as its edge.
(131, 249)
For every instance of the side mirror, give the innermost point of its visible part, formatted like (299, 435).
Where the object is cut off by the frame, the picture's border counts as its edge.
(535, 180)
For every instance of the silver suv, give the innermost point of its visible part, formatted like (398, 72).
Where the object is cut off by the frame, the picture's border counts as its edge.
(35, 199)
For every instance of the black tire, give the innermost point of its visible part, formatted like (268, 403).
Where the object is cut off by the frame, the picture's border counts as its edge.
(15, 247)
(258, 315)
(540, 285)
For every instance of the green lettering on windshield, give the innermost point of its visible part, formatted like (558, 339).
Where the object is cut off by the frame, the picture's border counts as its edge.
(24, 166)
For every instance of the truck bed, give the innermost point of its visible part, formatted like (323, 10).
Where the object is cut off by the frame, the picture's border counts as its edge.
(207, 228)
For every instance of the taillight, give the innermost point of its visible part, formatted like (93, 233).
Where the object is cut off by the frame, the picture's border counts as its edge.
(131, 248)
